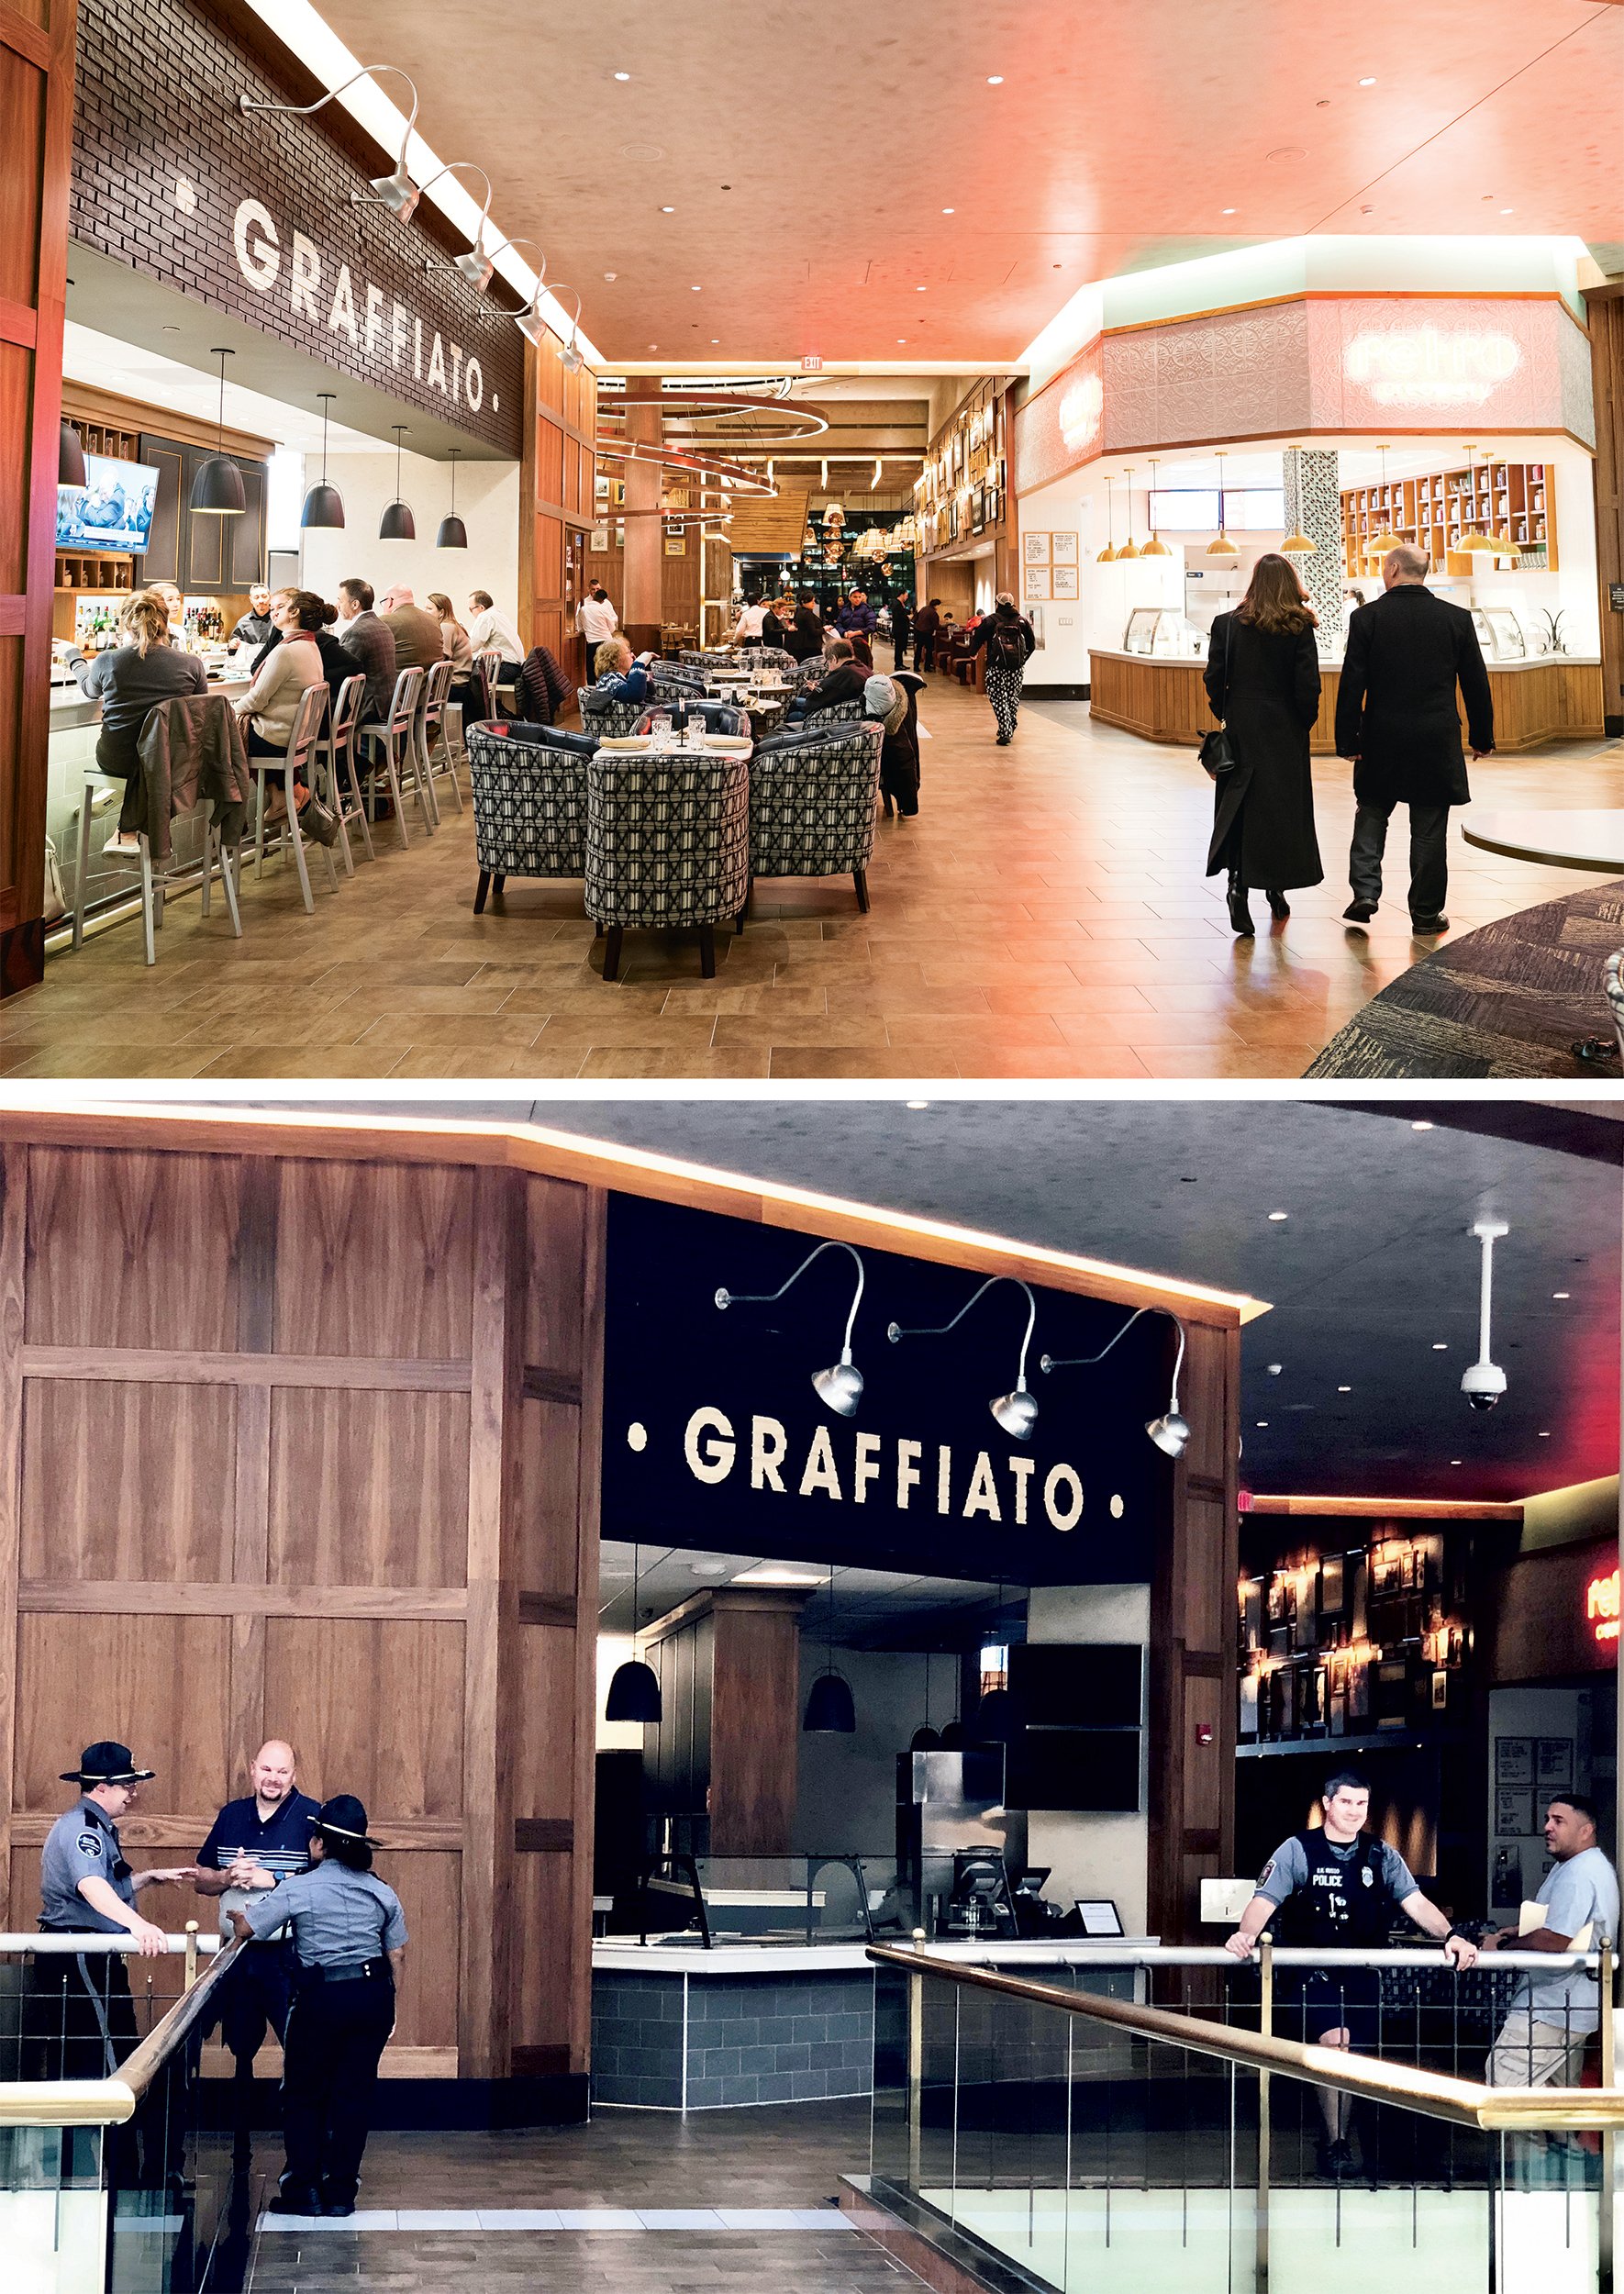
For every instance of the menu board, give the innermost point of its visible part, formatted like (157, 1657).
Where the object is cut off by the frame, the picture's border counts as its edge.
(1514, 1812)
(1514, 1760)
(1553, 1764)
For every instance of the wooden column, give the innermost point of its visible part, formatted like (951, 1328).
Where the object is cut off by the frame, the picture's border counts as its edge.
(755, 1720)
(36, 106)
(555, 501)
(643, 574)
(1604, 307)
(1192, 1767)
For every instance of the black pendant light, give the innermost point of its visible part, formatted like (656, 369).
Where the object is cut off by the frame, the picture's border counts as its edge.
(634, 1692)
(397, 523)
(829, 1709)
(324, 504)
(452, 534)
(925, 1739)
(218, 487)
(70, 461)
(994, 1715)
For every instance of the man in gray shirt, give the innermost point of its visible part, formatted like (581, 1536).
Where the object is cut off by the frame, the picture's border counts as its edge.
(1542, 2041)
(372, 643)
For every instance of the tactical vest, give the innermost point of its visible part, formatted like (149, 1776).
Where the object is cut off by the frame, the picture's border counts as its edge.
(1345, 1905)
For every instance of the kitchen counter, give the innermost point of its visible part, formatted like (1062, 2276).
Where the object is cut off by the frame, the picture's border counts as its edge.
(1551, 696)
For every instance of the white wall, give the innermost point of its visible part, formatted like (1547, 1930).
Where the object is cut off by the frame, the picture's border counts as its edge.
(1098, 616)
(1094, 1855)
(487, 503)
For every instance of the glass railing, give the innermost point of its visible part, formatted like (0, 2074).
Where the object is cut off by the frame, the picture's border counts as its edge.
(708, 1900)
(111, 2180)
(1047, 2133)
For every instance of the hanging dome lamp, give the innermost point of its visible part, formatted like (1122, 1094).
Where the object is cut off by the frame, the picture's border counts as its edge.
(829, 1708)
(634, 1691)
(398, 524)
(324, 504)
(1221, 545)
(1473, 542)
(1298, 544)
(217, 490)
(1130, 547)
(1155, 546)
(453, 533)
(1378, 545)
(1107, 556)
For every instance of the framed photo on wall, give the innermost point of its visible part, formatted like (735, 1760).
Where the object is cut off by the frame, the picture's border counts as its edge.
(1063, 549)
(676, 545)
(1034, 550)
(1065, 580)
(1036, 587)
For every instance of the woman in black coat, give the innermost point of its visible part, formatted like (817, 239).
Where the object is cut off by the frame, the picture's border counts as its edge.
(1262, 684)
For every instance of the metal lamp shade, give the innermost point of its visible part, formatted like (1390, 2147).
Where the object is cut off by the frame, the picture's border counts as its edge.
(925, 1739)
(69, 465)
(452, 534)
(634, 1693)
(953, 1739)
(829, 1709)
(1169, 1434)
(1299, 545)
(397, 193)
(324, 505)
(1016, 1413)
(398, 524)
(476, 266)
(218, 488)
(840, 1387)
(995, 1717)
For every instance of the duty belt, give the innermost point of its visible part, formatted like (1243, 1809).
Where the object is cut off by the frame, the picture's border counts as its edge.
(343, 1971)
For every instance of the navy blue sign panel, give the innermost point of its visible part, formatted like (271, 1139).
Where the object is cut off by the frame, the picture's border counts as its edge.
(715, 1440)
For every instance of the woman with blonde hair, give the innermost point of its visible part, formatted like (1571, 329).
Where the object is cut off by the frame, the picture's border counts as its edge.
(1262, 686)
(143, 669)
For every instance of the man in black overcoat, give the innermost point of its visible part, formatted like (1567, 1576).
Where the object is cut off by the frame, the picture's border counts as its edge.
(1396, 718)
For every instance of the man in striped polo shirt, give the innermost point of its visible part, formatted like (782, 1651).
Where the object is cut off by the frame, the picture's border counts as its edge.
(256, 1842)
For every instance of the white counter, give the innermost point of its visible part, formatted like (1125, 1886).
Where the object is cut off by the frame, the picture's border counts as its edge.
(1334, 661)
(616, 1956)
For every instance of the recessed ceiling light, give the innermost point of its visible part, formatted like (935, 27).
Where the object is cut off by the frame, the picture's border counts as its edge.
(1367, 83)
(169, 329)
(668, 210)
(715, 340)
(695, 290)
(902, 338)
(1441, 1345)
(1544, 1437)
(1345, 1389)
(1420, 1127)
(1263, 1421)
(1455, 1461)
(994, 79)
(1276, 1216)
(1229, 210)
(611, 276)
(949, 211)
(1508, 210)
(623, 75)
(1562, 1294)
(919, 290)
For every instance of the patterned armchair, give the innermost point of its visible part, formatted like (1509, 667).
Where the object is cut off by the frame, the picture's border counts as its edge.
(774, 658)
(604, 718)
(841, 713)
(667, 683)
(810, 673)
(812, 804)
(689, 659)
(667, 845)
(529, 803)
(716, 717)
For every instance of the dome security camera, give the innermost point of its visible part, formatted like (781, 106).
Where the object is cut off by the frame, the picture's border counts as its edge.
(1485, 1382)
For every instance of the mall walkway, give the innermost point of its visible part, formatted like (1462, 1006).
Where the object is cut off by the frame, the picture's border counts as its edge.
(770, 2165)
(1045, 916)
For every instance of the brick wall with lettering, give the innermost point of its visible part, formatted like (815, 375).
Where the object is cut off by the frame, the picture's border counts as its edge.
(173, 179)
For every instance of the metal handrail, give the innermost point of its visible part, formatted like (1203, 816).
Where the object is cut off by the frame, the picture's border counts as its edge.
(109, 2103)
(1461, 2102)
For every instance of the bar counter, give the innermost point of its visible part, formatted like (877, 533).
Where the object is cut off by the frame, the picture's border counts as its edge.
(675, 2027)
(1162, 698)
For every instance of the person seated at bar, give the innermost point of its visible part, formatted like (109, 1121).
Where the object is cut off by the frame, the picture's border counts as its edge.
(370, 646)
(270, 708)
(459, 647)
(542, 692)
(144, 668)
(253, 627)
(619, 674)
(842, 681)
(336, 663)
(492, 632)
(417, 640)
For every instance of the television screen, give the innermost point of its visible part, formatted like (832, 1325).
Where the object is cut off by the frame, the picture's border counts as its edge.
(1085, 1769)
(113, 509)
(1082, 1685)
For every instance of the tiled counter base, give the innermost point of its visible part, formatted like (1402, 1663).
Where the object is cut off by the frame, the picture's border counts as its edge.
(692, 2042)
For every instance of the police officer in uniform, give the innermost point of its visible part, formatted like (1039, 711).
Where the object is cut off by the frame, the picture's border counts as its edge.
(82, 2009)
(1336, 1889)
(349, 1941)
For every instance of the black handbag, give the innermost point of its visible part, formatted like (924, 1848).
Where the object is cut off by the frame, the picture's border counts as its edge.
(1218, 751)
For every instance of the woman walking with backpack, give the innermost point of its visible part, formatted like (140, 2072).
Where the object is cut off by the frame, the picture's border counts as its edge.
(1262, 685)
(1010, 641)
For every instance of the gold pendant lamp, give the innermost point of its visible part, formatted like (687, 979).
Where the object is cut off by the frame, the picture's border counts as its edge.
(1155, 546)
(1221, 545)
(1473, 542)
(1377, 547)
(1128, 548)
(1298, 544)
(1107, 556)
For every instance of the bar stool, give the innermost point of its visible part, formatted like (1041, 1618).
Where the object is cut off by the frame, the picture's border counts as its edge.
(300, 754)
(489, 664)
(431, 731)
(343, 780)
(392, 745)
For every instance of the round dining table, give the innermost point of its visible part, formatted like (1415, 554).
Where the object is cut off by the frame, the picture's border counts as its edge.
(1591, 841)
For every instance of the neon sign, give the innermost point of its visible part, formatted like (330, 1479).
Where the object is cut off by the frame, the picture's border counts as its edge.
(1601, 1607)
(1431, 366)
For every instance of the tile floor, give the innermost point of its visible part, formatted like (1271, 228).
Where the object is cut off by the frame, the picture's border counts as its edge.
(725, 2199)
(1045, 916)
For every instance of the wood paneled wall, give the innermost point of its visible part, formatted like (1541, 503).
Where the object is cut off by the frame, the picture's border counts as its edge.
(36, 106)
(309, 1448)
(555, 500)
(1191, 1781)
(1605, 310)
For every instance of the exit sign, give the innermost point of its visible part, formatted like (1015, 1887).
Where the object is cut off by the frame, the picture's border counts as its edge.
(812, 363)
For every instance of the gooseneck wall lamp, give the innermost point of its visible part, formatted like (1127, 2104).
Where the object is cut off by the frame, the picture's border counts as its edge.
(840, 1386)
(571, 353)
(1016, 1412)
(528, 321)
(1169, 1432)
(474, 263)
(634, 1691)
(396, 192)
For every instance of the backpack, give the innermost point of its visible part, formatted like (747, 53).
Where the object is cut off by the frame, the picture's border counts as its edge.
(1006, 646)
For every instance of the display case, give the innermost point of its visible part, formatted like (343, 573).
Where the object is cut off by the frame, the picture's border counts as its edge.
(1162, 632)
(708, 1900)
(1499, 633)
